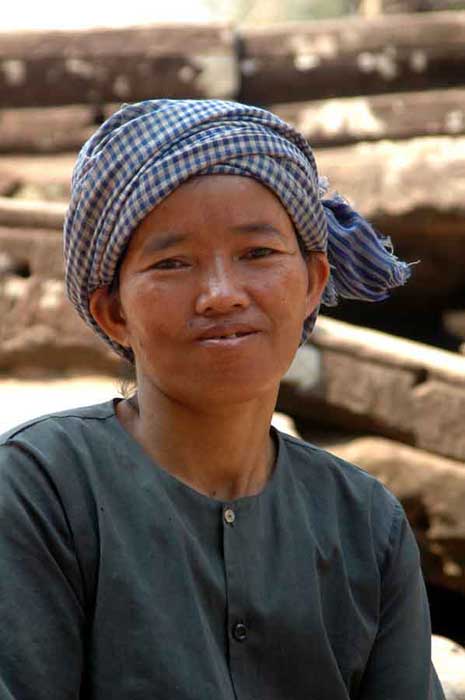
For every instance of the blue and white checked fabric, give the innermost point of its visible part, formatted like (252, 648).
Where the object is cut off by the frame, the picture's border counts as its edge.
(146, 150)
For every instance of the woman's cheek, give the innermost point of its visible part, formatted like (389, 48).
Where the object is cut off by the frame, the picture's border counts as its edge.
(292, 288)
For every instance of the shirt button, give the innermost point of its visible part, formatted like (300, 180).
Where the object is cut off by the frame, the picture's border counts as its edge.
(229, 516)
(240, 632)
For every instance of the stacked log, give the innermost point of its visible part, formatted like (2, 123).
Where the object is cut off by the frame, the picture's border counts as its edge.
(398, 6)
(326, 123)
(398, 388)
(300, 61)
(395, 116)
(40, 332)
(116, 65)
(47, 129)
(353, 56)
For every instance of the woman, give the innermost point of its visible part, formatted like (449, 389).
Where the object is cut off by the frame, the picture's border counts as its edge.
(175, 545)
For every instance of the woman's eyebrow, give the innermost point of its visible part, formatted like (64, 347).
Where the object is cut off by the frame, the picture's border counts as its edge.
(162, 241)
(259, 227)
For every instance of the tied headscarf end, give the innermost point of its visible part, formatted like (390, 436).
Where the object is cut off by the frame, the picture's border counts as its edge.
(363, 265)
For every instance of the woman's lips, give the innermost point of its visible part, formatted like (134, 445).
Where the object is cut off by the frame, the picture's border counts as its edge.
(229, 341)
(224, 330)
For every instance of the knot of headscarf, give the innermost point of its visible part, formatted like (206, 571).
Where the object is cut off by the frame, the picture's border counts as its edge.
(146, 150)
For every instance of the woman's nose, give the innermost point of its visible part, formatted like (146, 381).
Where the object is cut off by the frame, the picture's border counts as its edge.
(221, 290)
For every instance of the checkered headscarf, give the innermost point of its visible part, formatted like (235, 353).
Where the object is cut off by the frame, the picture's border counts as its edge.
(146, 150)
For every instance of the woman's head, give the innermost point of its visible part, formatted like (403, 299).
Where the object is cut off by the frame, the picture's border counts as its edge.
(146, 151)
(213, 292)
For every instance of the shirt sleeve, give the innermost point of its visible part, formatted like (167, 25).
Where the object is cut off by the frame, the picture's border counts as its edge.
(41, 601)
(400, 667)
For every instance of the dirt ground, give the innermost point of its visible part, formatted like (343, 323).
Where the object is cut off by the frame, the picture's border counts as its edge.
(23, 400)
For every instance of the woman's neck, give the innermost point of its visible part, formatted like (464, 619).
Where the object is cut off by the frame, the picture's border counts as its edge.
(224, 454)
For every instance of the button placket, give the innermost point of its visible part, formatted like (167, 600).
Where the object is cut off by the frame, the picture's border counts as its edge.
(236, 527)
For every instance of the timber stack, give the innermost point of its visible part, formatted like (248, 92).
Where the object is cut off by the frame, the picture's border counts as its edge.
(382, 101)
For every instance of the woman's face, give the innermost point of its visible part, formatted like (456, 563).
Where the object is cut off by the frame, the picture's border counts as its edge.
(213, 292)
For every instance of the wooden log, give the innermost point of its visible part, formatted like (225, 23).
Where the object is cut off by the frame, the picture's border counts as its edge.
(15, 213)
(39, 177)
(116, 65)
(333, 122)
(47, 129)
(413, 191)
(360, 379)
(352, 56)
(454, 322)
(325, 123)
(389, 179)
(9, 183)
(40, 331)
(396, 6)
(369, 8)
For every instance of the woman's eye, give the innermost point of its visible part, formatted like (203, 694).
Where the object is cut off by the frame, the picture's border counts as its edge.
(260, 253)
(168, 264)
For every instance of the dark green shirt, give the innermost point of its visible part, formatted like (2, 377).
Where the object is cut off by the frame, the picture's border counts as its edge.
(120, 582)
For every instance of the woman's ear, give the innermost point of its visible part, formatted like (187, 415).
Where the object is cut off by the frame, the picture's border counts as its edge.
(105, 307)
(318, 274)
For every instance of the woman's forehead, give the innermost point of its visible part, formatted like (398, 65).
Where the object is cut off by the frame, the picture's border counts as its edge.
(229, 200)
(217, 187)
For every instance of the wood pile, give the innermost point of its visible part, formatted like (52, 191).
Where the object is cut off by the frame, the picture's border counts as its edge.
(293, 61)
(381, 99)
(116, 65)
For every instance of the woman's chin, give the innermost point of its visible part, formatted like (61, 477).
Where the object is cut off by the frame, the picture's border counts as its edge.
(226, 392)
(237, 394)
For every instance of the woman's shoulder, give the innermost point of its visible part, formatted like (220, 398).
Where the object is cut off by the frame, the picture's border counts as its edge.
(57, 439)
(312, 461)
(345, 489)
(54, 461)
(56, 423)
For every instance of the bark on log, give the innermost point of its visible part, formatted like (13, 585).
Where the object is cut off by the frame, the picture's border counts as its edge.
(116, 65)
(396, 6)
(389, 179)
(39, 177)
(9, 183)
(46, 129)
(363, 380)
(352, 56)
(333, 122)
(40, 331)
(414, 192)
(454, 322)
(325, 123)
(15, 213)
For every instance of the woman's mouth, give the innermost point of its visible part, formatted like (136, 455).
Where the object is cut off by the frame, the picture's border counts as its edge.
(229, 340)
